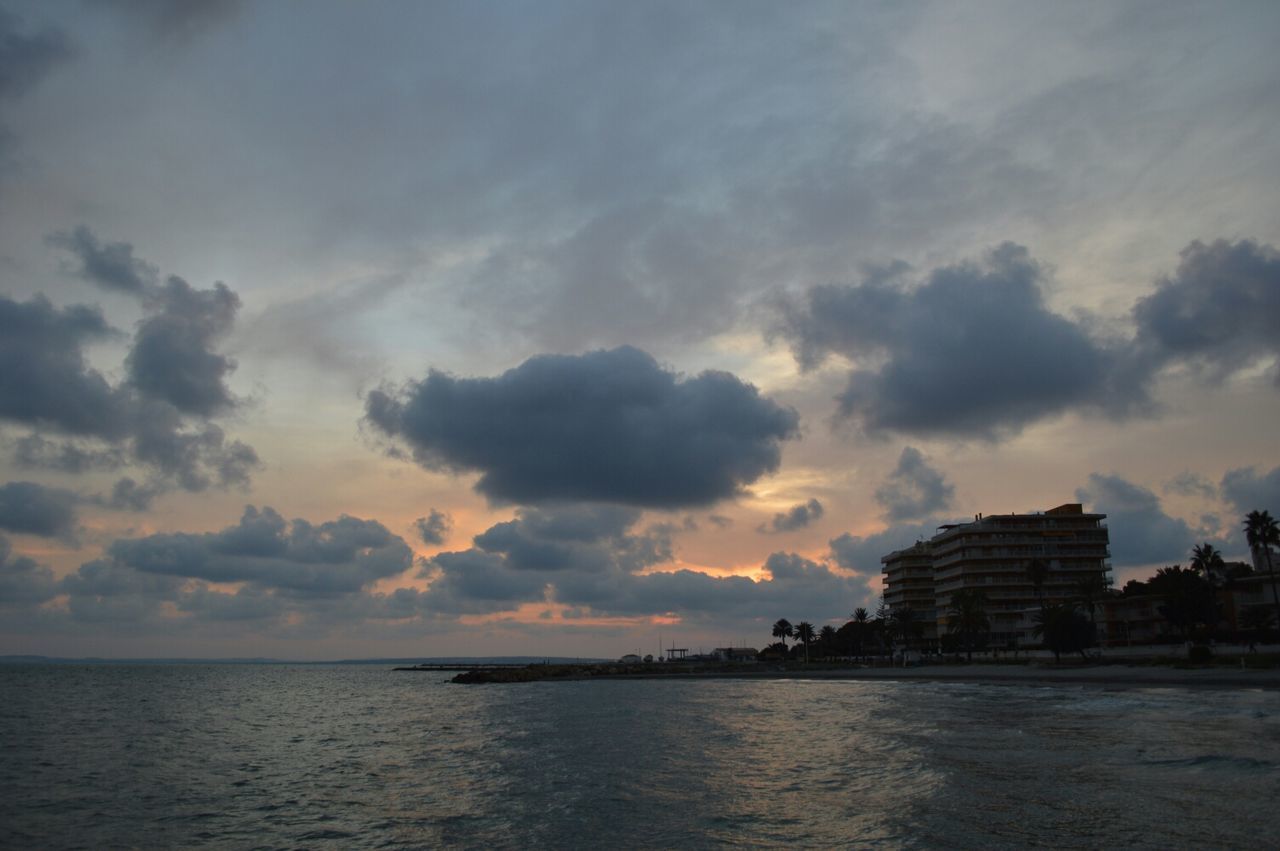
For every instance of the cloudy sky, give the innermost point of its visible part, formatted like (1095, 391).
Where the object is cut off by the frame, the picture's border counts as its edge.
(415, 329)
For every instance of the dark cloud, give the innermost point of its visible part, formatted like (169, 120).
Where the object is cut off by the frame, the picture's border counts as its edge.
(33, 509)
(588, 557)
(23, 582)
(32, 451)
(796, 588)
(160, 417)
(1248, 490)
(611, 426)
(337, 557)
(1187, 483)
(474, 582)
(129, 495)
(434, 528)
(172, 356)
(585, 538)
(1218, 311)
(25, 58)
(111, 266)
(720, 521)
(106, 591)
(796, 517)
(914, 489)
(1140, 532)
(970, 351)
(44, 378)
(862, 553)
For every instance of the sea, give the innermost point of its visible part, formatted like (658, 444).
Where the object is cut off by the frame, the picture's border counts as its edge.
(361, 756)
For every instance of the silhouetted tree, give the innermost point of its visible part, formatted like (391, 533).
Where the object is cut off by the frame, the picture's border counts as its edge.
(1064, 629)
(1188, 599)
(1207, 561)
(1261, 530)
(783, 630)
(967, 617)
(804, 634)
(827, 640)
(902, 623)
(1089, 591)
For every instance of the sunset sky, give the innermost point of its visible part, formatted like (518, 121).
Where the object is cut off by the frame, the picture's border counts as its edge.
(334, 330)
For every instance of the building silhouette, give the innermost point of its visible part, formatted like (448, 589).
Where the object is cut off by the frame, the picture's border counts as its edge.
(1000, 556)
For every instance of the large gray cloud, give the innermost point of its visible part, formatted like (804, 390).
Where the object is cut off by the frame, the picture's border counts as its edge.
(160, 417)
(1218, 311)
(1248, 490)
(914, 489)
(336, 557)
(796, 517)
(45, 380)
(172, 356)
(1141, 533)
(972, 350)
(607, 425)
(33, 509)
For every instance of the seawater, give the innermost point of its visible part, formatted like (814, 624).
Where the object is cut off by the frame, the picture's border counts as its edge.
(263, 756)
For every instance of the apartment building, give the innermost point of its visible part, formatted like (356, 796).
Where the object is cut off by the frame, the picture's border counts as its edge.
(995, 555)
(909, 582)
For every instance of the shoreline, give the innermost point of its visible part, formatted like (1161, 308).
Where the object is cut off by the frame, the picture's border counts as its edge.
(1107, 676)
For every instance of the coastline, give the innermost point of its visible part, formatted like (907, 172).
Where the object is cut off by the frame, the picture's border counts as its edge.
(1105, 676)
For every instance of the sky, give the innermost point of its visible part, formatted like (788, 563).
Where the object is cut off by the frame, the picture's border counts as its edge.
(338, 330)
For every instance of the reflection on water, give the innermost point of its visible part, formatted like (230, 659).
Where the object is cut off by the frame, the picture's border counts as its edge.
(358, 756)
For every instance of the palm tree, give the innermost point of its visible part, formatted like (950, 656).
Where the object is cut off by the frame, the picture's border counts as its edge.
(863, 619)
(901, 621)
(968, 616)
(827, 638)
(1208, 561)
(804, 634)
(1261, 530)
(1089, 590)
(1063, 628)
(783, 629)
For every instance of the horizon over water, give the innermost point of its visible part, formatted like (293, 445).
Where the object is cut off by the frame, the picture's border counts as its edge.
(354, 756)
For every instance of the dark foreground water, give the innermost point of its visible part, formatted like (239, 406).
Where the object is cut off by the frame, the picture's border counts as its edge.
(359, 756)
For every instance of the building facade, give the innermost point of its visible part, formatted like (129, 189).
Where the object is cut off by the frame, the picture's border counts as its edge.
(1019, 562)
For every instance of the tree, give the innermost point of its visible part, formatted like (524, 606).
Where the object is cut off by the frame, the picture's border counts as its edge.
(1089, 590)
(1261, 530)
(1188, 599)
(967, 617)
(1207, 561)
(902, 622)
(783, 629)
(862, 626)
(1064, 629)
(804, 634)
(827, 639)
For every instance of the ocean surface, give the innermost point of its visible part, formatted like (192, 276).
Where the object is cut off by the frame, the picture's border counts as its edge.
(358, 756)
